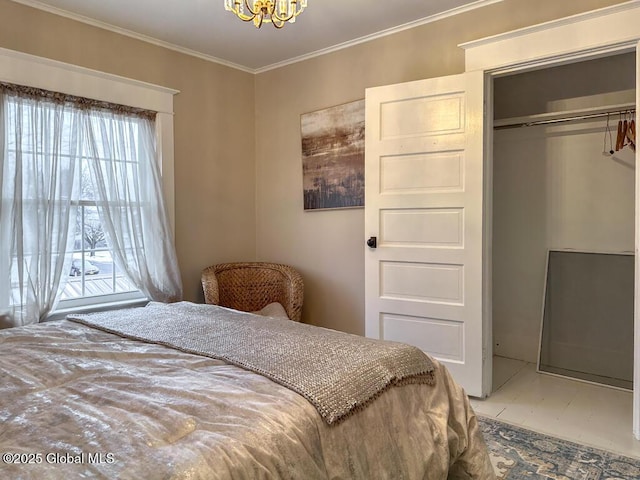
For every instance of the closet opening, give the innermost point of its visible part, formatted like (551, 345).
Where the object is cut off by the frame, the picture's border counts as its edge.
(564, 220)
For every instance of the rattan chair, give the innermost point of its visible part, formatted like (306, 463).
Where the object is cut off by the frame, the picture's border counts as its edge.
(250, 286)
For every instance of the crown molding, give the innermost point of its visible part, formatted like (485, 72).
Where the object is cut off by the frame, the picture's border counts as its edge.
(131, 34)
(170, 46)
(383, 33)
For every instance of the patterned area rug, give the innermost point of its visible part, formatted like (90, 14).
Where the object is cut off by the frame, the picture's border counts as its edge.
(517, 453)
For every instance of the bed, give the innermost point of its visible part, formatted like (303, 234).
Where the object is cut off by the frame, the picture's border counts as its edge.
(80, 398)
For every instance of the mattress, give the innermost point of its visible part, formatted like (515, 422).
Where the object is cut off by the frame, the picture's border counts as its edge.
(79, 402)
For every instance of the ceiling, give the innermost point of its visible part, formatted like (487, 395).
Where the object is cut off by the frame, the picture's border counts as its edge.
(205, 29)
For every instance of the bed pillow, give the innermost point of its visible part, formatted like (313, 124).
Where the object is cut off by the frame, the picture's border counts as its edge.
(274, 309)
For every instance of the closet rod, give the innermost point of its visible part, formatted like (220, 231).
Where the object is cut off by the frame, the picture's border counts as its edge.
(565, 119)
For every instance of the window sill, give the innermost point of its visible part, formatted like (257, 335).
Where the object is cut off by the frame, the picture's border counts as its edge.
(61, 313)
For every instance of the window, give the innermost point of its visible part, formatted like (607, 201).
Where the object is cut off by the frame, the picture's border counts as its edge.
(51, 135)
(93, 271)
(92, 276)
(90, 273)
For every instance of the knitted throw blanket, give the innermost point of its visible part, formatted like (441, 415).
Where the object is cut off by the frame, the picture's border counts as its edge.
(338, 373)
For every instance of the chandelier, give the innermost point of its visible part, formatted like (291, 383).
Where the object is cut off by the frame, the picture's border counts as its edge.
(276, 12)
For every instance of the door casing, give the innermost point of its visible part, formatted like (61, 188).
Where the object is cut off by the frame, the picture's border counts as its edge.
(578, 38)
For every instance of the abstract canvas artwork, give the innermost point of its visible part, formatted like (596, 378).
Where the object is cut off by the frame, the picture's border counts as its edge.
(333, 157)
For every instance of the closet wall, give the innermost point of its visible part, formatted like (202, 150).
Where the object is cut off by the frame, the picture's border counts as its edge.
(554, 188)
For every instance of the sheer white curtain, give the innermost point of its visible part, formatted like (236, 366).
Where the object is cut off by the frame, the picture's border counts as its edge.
(128, 190)
(44, 139)
(39, 144)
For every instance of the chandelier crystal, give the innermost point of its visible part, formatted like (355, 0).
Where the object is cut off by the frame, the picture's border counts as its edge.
(276, 12)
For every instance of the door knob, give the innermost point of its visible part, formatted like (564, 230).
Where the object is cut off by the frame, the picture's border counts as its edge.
(372, 242)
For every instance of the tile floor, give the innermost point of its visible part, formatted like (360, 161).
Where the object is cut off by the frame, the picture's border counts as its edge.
(577, 411)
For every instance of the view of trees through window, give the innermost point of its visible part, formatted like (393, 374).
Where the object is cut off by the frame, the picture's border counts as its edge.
(93, 271)
(49, 146)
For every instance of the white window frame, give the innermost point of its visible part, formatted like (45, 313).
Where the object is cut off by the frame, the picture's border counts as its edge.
(33, 71)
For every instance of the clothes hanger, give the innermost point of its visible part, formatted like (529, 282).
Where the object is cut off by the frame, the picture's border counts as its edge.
(631, 132)
(619, 138)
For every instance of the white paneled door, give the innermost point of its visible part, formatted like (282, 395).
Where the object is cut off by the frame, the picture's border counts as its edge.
(424, 220)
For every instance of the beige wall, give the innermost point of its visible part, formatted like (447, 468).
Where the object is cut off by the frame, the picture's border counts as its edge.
(237, 199)
(328, 246)
(214, 148)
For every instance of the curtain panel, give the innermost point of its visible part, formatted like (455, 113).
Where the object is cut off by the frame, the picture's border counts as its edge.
(40, 139)
(130, 203)
(45, 138)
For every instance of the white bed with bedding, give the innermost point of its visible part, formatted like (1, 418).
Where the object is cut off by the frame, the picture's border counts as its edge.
(80, 401)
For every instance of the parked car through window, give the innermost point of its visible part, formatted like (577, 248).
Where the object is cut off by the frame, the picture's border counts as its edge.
(78, 268)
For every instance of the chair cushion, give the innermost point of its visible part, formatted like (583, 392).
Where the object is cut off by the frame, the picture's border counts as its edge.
(274, 309)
